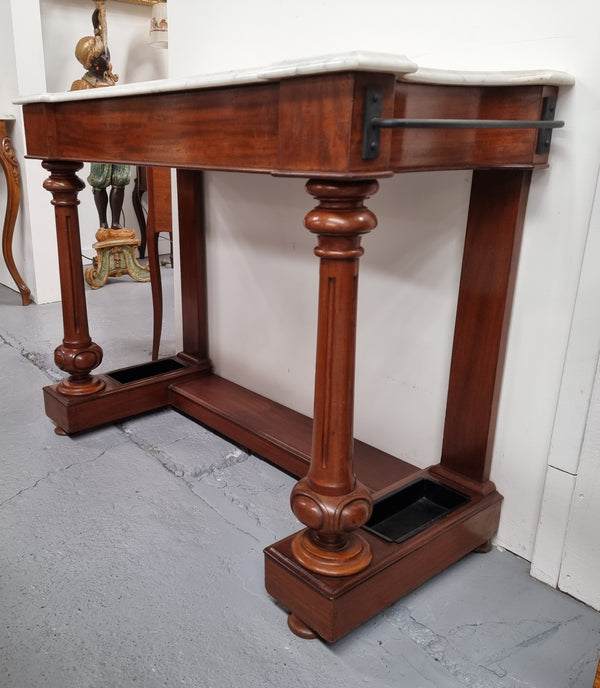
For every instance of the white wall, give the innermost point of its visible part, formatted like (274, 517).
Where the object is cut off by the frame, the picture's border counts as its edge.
(412, 259)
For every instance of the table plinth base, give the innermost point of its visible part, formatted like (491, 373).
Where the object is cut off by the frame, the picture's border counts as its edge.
(126, 392)
(325, 606)
(270, 430)
(331, 607)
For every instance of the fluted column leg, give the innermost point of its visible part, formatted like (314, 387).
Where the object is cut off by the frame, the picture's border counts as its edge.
(77, 355)
(329, 500)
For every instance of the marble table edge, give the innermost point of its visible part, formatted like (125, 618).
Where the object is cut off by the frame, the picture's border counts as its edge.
(358, 60)
(454, 77)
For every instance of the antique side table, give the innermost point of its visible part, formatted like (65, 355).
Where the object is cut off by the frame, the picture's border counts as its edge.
(376, 526)
(10, 166)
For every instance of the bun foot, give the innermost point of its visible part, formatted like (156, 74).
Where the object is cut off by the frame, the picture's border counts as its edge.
(484, 548)
(299, 628)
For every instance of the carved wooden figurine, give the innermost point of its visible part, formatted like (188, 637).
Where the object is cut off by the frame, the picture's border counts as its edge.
(115, 246)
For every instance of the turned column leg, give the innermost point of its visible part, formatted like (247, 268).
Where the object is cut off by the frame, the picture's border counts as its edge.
(329, 500)
(8, 161)
(77, 355)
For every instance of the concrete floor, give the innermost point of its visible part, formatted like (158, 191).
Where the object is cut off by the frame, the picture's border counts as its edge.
(132, 556)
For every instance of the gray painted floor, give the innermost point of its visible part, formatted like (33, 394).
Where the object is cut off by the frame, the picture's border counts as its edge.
(132, 556)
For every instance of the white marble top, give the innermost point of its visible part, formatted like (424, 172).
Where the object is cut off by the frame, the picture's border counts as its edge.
(425, 75)
(4, 117)
(399, 65)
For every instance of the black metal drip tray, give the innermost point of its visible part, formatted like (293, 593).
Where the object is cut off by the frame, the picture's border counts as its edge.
(412, 508)
(146, 370)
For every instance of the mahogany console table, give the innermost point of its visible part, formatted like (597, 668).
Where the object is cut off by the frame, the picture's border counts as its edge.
(341, 121)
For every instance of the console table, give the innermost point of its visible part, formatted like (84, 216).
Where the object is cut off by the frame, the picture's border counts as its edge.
(342, 121)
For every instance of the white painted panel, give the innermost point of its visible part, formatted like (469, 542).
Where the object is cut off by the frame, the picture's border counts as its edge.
(552, 527)
(582, 357)
(580, 572)
(568, 435)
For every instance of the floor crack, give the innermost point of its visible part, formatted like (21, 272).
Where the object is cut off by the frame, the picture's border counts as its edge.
(233, 458)
(33, 357)
(440, 650)
(528, 642)
(49, 475)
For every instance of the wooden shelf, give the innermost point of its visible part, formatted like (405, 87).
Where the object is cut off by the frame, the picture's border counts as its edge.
(268, 429)
(273, 431)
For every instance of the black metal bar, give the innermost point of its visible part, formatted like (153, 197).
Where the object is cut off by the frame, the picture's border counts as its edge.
(545, 135)
(373, 123)
(383, 123)
(373, 110)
